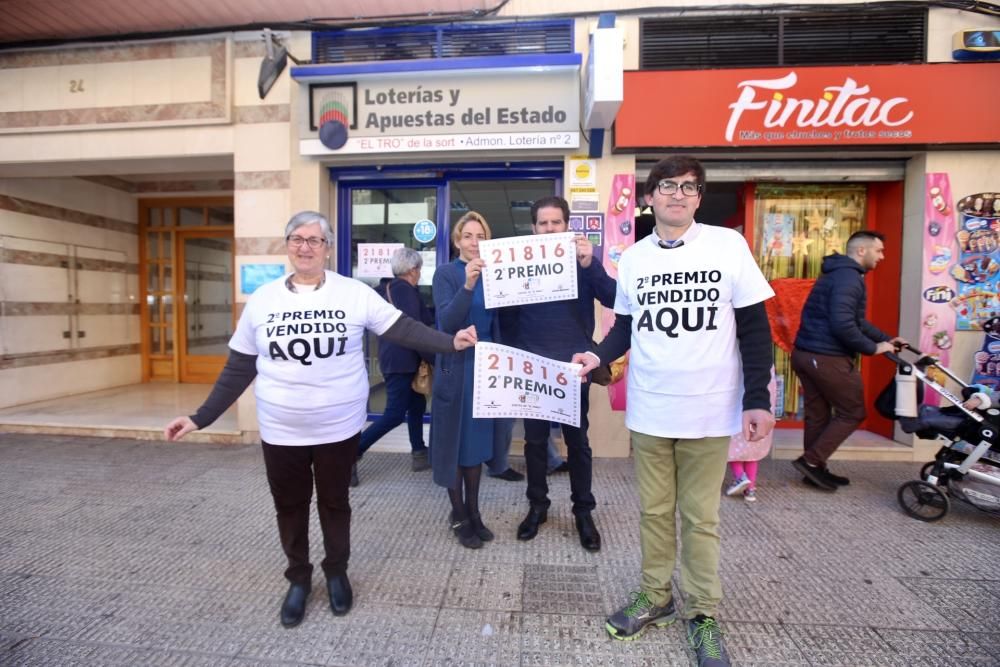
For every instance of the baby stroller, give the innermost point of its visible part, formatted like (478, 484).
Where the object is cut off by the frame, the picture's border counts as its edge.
(967, 467)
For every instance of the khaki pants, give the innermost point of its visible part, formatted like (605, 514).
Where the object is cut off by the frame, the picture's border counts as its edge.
(686, 475)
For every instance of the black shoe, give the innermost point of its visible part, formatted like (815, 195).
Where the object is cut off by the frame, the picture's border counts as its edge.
(814, 474)
(590, 539)
(529, 527)
(480, 529)
(419, 461)
(354, 475)
(466, 534)
(509, 475)
(836, 480)
(341, 595)
(293, 609)
(562, 467)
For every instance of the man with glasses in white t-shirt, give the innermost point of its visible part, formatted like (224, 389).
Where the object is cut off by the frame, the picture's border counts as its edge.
(690, 305)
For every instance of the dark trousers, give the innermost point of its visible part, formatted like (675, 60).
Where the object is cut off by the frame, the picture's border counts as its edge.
(834, 402)
(290, 472)
(401, 404)
(579, 457)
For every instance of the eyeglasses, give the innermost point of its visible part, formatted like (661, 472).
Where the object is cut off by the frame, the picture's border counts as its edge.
(313, 241)
(687, 188)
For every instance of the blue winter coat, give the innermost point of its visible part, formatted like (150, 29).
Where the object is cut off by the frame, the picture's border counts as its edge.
(833, 319)
(452, 302)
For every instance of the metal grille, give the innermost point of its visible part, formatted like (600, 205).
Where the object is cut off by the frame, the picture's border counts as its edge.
(703, 43)
(443, 41)
(839, 38)
(872, 39)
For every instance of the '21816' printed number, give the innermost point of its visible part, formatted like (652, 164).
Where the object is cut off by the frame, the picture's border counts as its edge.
(527, 368)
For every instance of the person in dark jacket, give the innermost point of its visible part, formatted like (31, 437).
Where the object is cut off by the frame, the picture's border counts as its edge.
(832, 332)
(555, 330)
(399, 364)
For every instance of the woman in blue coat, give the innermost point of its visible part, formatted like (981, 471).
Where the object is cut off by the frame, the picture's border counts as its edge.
(460, 444)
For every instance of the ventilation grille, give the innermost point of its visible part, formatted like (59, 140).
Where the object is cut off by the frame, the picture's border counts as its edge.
(443, 41)
(876, 39)
(794, 39)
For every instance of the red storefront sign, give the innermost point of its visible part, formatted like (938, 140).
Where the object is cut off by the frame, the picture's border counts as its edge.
(944, 103)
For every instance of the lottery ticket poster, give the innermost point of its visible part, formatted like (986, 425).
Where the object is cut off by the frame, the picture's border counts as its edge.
(619, 234)
(375, 259)
(509, 382)
(528, 269)
(977, 270)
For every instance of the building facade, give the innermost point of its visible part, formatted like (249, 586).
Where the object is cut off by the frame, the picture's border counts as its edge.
(144, 186)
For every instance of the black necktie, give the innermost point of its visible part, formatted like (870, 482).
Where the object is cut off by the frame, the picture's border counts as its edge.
(670, 245)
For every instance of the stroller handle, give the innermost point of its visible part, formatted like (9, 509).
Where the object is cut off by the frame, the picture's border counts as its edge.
(922, 362)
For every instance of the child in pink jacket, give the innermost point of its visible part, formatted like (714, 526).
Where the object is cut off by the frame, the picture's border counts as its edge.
(744, 456)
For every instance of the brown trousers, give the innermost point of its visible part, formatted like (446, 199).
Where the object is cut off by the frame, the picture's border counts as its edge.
(290, 473)
(834, 402)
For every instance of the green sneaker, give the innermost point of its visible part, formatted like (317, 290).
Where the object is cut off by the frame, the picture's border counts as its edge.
(629, 622)
(705, 638)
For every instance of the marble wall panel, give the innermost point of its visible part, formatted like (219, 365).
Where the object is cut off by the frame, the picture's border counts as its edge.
(36, 383)
(108, 330)
(34, 333)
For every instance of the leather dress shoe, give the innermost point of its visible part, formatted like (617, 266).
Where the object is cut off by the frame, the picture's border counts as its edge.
(341, 595)
(293, 609)
(529, 527)
(590, 539)
(509, 475)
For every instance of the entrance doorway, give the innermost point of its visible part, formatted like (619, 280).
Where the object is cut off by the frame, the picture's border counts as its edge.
(385, 210)
(186, 343)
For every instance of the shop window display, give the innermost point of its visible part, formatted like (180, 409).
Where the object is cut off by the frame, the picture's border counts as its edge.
(795, 226)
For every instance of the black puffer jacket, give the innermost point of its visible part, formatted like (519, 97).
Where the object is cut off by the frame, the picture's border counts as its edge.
(833, 320)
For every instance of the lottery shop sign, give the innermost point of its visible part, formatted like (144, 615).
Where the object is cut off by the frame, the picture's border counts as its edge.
(508, 382)
(810, 106)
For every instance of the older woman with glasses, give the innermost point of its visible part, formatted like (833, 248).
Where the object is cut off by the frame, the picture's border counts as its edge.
(301, 337)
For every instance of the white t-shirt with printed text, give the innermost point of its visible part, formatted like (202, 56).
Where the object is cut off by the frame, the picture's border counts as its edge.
(312, 385)
(685, 376)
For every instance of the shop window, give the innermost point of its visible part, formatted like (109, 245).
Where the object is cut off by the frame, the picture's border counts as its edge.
(795, 226)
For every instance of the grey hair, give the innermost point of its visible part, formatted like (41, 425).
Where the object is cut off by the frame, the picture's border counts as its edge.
(405, 260)
(303, 218)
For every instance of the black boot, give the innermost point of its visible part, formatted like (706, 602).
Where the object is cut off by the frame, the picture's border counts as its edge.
(590, 539)
(341, 595)
(529, 527)
(293, 609)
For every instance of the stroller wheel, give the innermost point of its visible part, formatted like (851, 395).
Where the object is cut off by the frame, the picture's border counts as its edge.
(923, 501)
(925, 470)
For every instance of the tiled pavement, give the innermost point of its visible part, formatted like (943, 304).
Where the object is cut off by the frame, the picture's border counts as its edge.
(119, 552)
